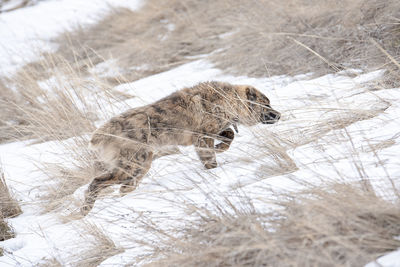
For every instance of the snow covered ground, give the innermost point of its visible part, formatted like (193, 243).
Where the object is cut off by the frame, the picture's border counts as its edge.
(27, 32)
(43, 235)
(309, 138)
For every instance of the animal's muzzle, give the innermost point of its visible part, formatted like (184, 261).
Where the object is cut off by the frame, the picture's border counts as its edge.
(272, 116)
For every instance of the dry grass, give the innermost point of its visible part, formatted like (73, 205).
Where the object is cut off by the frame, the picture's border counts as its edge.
(94, 248)
(53, 262)
(45, 114)
(54, 108)
(8, 208)
(98, 247)
(333, 225)
(338, 224)
(5, 232)
(63, 106)
(300, 36)
(255, 38)
(158, 37)
(64, 178)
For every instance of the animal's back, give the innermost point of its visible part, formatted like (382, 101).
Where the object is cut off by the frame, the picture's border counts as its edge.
(118, 130)
(172, 120)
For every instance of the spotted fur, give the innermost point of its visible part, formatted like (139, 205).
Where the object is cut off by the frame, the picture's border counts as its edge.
(197, 116)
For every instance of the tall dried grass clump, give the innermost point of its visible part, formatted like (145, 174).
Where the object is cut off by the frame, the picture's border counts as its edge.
(8, 208)
(51, 107)
(94, 248)
(77, 168)
(52, 262)
(46, 114)
(5, 232)
(254, 38)
(333, 225)
(98, 248)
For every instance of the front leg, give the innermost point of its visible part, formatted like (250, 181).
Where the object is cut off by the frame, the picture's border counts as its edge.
(205, 150)
(226, 138)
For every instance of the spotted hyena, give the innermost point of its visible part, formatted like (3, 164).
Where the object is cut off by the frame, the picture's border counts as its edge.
(199, 115)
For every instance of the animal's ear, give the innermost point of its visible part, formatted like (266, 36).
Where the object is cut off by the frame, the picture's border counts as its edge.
(251, 94)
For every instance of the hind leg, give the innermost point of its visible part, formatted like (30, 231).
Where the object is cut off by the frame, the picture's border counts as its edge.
(142, 165)
(98, 184)
(130, 162)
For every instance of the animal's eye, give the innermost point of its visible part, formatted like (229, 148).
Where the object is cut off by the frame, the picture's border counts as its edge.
(251, 95)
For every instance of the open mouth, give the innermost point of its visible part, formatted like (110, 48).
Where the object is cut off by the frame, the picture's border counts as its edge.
(269, 121)
(270, 118)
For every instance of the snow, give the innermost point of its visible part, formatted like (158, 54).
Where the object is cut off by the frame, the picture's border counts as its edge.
(312, 111)
(38, 235)
(389, 260)
(10, 5)
(26, 32)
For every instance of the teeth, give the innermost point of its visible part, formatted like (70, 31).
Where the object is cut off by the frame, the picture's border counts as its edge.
(235, 127)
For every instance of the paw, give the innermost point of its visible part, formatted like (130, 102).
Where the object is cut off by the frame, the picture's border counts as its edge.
(211, 165)
(125, 189)
(87, 204)
(221, 147)
(86, 208)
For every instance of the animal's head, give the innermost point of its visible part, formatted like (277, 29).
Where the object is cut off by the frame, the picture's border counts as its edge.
(256, 107)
